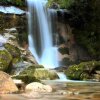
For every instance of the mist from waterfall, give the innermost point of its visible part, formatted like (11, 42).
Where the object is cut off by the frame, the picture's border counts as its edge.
(41, 34)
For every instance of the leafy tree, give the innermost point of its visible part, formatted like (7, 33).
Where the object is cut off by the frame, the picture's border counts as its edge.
(13, 2)
(86, 23)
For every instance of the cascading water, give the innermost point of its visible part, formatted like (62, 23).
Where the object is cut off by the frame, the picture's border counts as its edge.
(40, 34)
(62, 76)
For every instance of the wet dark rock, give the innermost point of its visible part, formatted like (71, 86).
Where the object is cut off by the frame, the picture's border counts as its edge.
(64, 50)
(63, 15)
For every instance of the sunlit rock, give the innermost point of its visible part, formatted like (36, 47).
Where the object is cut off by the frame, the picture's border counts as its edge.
(38, 87)
(6, 84)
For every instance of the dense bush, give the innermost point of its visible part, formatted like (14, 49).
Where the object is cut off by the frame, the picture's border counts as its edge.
(13, 2)
(86, 23)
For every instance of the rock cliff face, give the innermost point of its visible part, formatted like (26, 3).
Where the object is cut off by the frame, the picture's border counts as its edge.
(14, 17)
(70, 52)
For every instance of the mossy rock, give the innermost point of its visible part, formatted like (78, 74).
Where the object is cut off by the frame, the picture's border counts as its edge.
(16, 60)
(82, 71)
(5, 60)
(34, 66)
(42, 74)
(26, 78)
(36, 73)
(13, 50)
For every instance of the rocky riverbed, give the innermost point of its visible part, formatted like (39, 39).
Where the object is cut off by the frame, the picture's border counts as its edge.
(62, 91)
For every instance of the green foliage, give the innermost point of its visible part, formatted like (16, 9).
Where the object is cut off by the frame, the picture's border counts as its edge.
(62, 3)
(86, 23)
(17, 2)
(13, 2)
(83, 70)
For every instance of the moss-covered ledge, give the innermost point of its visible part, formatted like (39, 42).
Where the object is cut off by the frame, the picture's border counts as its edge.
(36, 73)
(83, 71)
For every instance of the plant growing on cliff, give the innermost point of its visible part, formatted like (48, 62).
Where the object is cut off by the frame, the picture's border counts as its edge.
(61, 3)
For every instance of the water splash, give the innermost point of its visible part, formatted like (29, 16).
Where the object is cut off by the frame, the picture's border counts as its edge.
(40, 34)
(62, 76)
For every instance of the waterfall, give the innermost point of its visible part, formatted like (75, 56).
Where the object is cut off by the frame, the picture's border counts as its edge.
(41, 34)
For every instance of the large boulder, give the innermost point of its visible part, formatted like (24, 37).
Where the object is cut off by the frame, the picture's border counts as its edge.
(5, 59)
(6, 84)
(42, 73)
(38, 87)
(39, 72)
(83, 71)
(35, 73)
